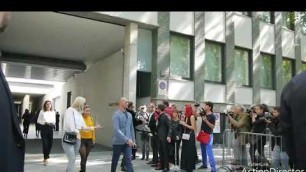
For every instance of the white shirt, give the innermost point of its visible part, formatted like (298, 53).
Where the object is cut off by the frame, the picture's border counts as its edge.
(46, 117)
(73, 120)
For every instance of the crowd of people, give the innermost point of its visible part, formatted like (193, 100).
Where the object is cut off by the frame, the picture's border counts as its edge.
(77, 121)
(251, 127)
(29, 118)
(171, 133)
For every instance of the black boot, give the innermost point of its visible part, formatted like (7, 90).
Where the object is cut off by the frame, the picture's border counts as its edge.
(123, 168)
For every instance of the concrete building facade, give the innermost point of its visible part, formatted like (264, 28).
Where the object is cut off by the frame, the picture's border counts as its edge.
(222, 57)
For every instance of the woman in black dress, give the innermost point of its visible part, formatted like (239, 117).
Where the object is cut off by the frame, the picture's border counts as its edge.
(188, 158)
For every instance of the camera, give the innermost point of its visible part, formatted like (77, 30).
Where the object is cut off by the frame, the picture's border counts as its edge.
(267, 116)
(196, 105)
(251, 110)
(231, 113)
(202, 112)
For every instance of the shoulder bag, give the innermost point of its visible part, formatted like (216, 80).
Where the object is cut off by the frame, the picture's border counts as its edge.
(186, 136)
(70, 137)
(203, 137)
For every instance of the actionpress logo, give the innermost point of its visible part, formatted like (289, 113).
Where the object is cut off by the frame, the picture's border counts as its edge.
(271, 170)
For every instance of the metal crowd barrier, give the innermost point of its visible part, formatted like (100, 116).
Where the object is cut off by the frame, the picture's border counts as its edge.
(240, 145)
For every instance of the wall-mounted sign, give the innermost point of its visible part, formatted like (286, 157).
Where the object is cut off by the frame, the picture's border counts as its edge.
(162, 87)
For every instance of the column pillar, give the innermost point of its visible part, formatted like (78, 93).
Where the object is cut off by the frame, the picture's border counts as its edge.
(130, 62)
(229, 58)
(298, 48)
(278, 56)
(256, 57)
(161, 55)
(25, 103)
(199, 56)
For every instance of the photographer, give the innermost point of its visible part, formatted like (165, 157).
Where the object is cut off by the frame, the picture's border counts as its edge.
(142, 115)
(259, 126)
(240, 121)
(208, 125)
(278, 151)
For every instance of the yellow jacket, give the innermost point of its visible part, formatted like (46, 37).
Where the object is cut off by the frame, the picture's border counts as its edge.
(88, 134)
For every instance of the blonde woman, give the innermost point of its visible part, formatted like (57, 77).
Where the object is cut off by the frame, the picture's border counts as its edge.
(74, 123)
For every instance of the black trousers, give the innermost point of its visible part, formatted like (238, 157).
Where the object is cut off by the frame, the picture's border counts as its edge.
(164, 153)
(259, 146)
(47, 139)
(155, 145)
(174, 148)
(86, 146)
(56, 126)
(26, 127)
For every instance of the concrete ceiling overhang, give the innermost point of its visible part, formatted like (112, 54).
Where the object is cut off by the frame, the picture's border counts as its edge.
(52, 46)
(61, 36)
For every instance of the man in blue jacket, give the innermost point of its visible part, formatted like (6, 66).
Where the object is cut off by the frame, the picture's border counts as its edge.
(293, 120)
(12, 142)
(123, 136)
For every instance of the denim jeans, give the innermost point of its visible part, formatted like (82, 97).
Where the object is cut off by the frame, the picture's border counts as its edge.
(207, 150)
(127, 151)
(71, 152)
(278, 157)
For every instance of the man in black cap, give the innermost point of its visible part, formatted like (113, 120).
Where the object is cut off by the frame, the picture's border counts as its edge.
(12, 144)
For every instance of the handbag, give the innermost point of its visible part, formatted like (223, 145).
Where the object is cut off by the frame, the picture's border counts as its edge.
(70, 137)
(186, 136)
(203, 137)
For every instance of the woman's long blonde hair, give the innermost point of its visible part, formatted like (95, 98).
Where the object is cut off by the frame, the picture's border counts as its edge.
(79, 103)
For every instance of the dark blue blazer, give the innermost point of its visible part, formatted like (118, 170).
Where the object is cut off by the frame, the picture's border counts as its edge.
(293, 120)
(12, 145)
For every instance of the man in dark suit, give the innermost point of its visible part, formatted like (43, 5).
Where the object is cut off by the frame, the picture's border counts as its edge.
(292, 120)
(162, 133)
(154, 138)
(12, 142)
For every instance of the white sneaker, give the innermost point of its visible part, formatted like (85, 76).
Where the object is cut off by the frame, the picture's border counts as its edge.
(45, 162)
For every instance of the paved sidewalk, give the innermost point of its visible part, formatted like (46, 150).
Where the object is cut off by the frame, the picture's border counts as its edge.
(97, 161)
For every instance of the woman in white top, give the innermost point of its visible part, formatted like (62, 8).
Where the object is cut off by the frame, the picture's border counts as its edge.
(46, 119)
(74, 122)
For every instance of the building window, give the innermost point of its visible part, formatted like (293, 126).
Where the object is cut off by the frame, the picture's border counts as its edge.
(267, 72)
(143, 87)
(242, 67)
(304, 66)
(289, 20)
(267, 16)
(180, 55)
(214, 62)
(288, 70)
(144, 51)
